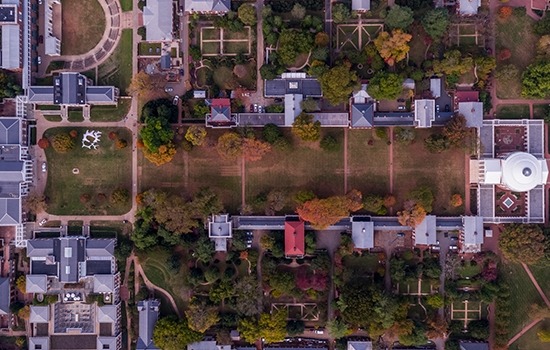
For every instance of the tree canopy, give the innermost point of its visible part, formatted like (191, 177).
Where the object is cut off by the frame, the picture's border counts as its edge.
(173, 334)
(247, 14)
(322, 213)
(305, 128)
(436, 22)
(196, 135)
(291, 44)
(270, 327)
(399, 17)
(393, 47)
(201, 316)
(536, 80)
(338, 83)
(340, 13)
(522, 243)
(8, 85)
(385, 86)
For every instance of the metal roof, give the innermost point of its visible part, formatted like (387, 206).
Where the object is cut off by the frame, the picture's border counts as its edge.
(4, 295)
(8, 13)
(425, 232)
(157, 19)
(100, 94)
(148, 316)
(36, 283)
(362, 115)
(10, 211)
(360, 5)
(10, 131)
(11, 46)
(39, 314)
(359, 345)
(207, 5)
(362, 233)
(104, 283)
(309, 87)
(39, 343)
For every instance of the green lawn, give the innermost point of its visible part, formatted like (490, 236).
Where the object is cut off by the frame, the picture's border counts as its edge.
(75, 115)
(154, 263)
(516, 34)
(368, 163)
(304, 167)
(235, 47)
(210, 48)
(513, 111)
(53, 118)
(100, 172)
(149, 49)
(364, 265)
(444, 175)
(542, 275)
(48, 107)
(210, 33)
(111, 113)
(126, 5)
(530, 340)
(83, 26)
(203, 168)
(242, 35)
(107, 229)
(522, 295)
(117, 69)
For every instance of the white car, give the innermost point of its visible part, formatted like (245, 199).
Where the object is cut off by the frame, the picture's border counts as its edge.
(42, 222)
(39, 60)
(44, 167)
(168, 89)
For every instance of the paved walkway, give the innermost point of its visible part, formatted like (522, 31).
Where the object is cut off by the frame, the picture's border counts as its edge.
(346, 166)
(114, 23)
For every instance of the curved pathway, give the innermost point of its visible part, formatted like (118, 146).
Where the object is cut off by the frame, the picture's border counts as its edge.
(104, 48)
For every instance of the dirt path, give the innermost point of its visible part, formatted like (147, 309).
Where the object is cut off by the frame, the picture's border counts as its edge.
(536, 284)
(524, 330)
(243, 182)
(467, 199)
(391, 164)
(150, 285)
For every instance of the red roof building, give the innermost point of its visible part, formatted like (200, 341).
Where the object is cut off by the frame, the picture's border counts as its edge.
(294, 238)
(220, 114)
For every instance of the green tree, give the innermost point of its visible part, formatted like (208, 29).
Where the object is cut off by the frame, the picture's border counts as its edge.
(294, 327)
(200, 109)
(385, 86)
(8, 85)
(329, 143)
(201, 316)
(399, 17)
(393, 47)
(271, 133)
(169, 211)
(423, 196)
(404, 135)
(203, 249)
(338, 83)
(268, 71)
(225, 289)
(436, 22)
(282, 281)
(435, 301)
(270, 327)
(453, 63)
(522, 243)
(21, 284)
(337, 329)
(120, 195)
(340, 13)
(173, 334)
(305, 128)
(416, 337)
(247, 14)
(291, 44)
(374, 204)
(156, 133)
(309, 105)
(542, 26)
(205, 203)
(298, 12)
(436, 143)
(536, 80)
(479, 329)
(303, 196)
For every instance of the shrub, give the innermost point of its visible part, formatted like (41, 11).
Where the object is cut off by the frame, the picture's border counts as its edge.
(73, 133)
(121, 143)
(456, 200)
(120, 195)
(101, 197)
(381, 133)
(504, 12)
(85, 198)
(113, 136)
(187, 146)
(43, 143)
(504, 54)
(329, 144)
(271, 133)
(63, 143)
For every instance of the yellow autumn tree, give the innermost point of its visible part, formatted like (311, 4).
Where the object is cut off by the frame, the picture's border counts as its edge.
(164, 155)
(393, 47)
(412, 214)
(322, 213)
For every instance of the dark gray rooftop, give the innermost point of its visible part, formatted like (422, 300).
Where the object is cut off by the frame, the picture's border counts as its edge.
(465, 345)
(280, 87)
(10, 211)
(148, 315)
(100, 94)
(73, 341)
(4, 295)
(10, 133)
(69, 252)
(69, 88)
(72, 89)
(42, 268)
(8, 13)
(100, 247)
(98, 267)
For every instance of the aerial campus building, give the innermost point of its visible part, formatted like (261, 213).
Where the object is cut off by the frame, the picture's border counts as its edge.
(76, 280)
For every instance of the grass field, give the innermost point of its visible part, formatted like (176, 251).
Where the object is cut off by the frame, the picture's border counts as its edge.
(83, 26)
(154, 265)
(515, 33)
(100, 171)
(540, 110)
(211, 48)
(368, 164)
(149, 49)
(106, 229)
(542, 275)
(126, 5)
(202, 167)
(522, 295)
(305, 166)
(210, 33)
(109, 113)
(117, 69)
(444, 175)
(530, 340)
(53, 118)
(236, 47)
(75, 115)
(513, 111)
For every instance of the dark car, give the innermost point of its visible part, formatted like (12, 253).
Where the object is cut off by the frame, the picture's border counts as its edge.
(249, 239)
(447, 109)
(41, 39)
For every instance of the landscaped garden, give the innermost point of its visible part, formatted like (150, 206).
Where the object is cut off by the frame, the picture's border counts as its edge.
(83, 25)
(84, 181)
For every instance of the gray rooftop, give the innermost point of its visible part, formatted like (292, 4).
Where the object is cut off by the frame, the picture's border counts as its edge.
(148, 315)
(12, 171)
(207, 5)
(39, 314)
(39, 343)
(308, 87)
(69, 88)
(360, 5)
(37, 283)
(466, 345)
(425, 232)
(10, 211)
(473, 229)
(100, 248)
(220, 114)
(4, 295)
(104, 283)
(10, 131)
(359, 345)
(11, 46)
(100, 94)
(106, 343)
(362, 232)
(362, 115)
(69, 252)
(157, 19)
(107, 314)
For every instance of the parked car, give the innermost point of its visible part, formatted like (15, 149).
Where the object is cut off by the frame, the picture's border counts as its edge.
(176, 100)
(255, 108)
(400, 234)
(39, 60)
(249, 239)
(182, 72)
(41, 39)
(168, 89)
(319, 331)
(44, 167)
(42, 222)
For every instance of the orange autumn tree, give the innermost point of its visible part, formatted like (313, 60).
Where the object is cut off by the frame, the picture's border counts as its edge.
(393, 47)
(456, 200)
(322, 213)
(412, 214)
(253, 149)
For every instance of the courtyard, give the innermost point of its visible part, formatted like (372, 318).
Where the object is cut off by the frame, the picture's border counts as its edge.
(220, 41)
(356, 36)
(81, 181)
(83, 26)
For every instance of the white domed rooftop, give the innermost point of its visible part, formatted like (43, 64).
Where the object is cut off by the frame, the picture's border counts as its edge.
(521, 172)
